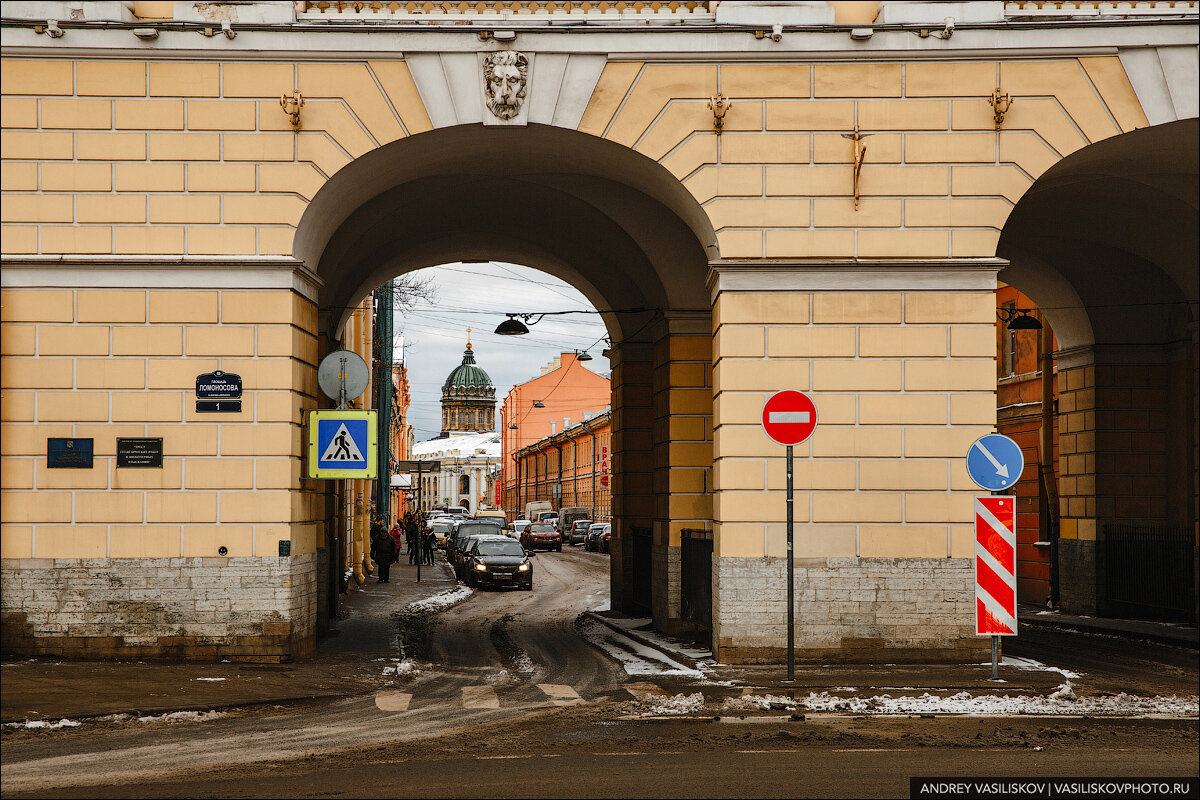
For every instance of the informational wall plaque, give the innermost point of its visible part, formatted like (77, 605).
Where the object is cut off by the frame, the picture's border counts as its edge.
(140, 452)
(69, 453)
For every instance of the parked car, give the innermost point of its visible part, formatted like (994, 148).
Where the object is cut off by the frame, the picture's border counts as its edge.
(578, 532)
(496, 561)
(518, 527)
(541, 535)
(492, 513)
(597, 538)
(592, 542)
(495, 522)
(461, 532)
(567, 517)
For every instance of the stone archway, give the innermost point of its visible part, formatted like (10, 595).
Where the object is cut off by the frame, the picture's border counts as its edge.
(1105, 242)
(613, 223)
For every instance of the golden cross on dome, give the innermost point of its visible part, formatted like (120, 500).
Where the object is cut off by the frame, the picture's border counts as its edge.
(468, 338)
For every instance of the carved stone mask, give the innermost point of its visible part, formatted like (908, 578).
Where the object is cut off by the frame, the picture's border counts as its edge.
(504, 75)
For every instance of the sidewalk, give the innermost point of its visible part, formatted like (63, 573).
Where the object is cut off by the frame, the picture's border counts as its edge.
(349, 662)
(1175, 633)
(346, 663)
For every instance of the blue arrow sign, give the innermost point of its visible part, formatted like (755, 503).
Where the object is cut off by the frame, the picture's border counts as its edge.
(995, 462)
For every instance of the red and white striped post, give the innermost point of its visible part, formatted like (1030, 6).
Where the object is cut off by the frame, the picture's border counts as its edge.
(995, 571)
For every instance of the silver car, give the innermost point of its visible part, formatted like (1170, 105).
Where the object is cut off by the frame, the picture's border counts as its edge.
(579, 531)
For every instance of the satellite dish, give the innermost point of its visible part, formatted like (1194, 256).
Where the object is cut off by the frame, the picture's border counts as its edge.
(343, 375)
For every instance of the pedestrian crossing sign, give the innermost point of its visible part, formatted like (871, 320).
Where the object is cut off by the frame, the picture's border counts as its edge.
(342, 444)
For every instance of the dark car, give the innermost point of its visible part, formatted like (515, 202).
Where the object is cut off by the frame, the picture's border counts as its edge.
(496, 561)
(578, 532)
(459, 534)
(596, 531)
(541, 535)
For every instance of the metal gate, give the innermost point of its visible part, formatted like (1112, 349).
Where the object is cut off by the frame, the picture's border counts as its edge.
(642, 540)
(1150, 572)
(695, 580)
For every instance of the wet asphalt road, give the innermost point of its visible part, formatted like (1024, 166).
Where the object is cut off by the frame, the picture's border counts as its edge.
(510, 701)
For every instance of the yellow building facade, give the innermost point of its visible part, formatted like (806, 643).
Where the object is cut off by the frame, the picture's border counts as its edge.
(811, 196)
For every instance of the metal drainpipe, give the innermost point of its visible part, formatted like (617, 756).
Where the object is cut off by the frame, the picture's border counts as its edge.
(592, 469)
(1046, 459)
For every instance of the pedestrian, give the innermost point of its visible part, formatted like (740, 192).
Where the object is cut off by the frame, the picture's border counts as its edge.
(398, 538)
(386, 549)
(412, 536)
(427, 541)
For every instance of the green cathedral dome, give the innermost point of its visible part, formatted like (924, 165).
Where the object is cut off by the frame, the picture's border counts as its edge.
(467, 375)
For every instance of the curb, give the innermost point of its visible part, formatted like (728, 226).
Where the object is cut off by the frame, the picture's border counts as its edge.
(198, 707)
(678, 657)
(1185, 637)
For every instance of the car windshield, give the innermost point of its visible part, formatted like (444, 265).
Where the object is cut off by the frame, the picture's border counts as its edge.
(474, 529)
(540, 527)
(505, 548)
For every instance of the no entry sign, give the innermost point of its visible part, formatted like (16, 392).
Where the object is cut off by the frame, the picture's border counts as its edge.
(995, 566)
(789, 417)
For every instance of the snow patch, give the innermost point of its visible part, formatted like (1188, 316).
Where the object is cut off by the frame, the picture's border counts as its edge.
(440, 601)
(679, 704)
(1060, 702)
(184, 716)
(210, 679)
(405, 669)
(1031, 664)
(635, 657)
(42, 724)
(758, 702)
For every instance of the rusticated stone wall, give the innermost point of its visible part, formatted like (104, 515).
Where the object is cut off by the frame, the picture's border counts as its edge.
(205, 609)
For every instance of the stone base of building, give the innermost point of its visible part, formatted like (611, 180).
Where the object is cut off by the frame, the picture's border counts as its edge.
(1079, 566)
(848, 610)
(200, 609)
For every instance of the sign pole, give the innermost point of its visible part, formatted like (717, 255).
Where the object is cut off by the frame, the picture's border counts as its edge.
(789, 418)
(791, 576)
(416, 515)
(996, 638)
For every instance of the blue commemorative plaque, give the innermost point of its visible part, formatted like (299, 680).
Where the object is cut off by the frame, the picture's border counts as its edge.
(69, 453)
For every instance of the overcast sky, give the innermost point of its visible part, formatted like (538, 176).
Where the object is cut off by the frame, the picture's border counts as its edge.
(477, 296)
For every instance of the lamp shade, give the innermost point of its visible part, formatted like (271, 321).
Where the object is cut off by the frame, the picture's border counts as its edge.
(1025, 322)
(511, 327)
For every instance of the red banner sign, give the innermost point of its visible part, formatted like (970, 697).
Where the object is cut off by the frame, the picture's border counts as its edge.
(995, 566)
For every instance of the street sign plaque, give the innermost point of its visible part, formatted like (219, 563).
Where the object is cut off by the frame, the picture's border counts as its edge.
(218, 385)
(789, 417)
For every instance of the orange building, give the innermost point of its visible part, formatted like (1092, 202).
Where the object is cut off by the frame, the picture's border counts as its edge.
(402, 436)
(1019, 415)
(569, 468)
(564, 392)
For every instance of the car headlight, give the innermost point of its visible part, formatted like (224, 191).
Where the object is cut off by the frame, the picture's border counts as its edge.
(524, 568)
(481, 567)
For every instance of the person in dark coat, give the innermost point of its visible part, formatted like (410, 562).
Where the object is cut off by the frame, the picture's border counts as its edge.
(428, 542)
(385, 548)
(412, 535)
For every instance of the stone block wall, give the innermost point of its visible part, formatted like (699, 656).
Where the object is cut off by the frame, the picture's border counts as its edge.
(242, 609)
(860, 610)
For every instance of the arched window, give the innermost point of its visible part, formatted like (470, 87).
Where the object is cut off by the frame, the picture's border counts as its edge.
(464, 484)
